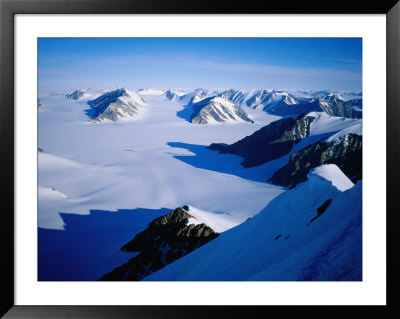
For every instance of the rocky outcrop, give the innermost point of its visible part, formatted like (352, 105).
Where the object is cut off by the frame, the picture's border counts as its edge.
(171, 95)
(270, 142)
(236, 96)
(340, 108)
(167, 239)
(345, 152)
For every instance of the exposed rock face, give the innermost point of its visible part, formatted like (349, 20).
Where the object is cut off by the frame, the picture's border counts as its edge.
(321, 210)
(217, 109)
(337, 107)
(76, 95)
(201, 95)
(270, 142)
(272, 101)
(171, 95)
(236, 96)
(167, 239)
(284, 104)
(115, 106)
(345, 152)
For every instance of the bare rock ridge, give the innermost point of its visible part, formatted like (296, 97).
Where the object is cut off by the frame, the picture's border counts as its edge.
(345, 152)
(270, 142)
(167, 239)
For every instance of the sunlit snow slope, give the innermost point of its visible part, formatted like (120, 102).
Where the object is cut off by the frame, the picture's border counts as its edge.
(312, 232)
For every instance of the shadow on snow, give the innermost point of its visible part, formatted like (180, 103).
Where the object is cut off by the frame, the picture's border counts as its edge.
(212, 160)
(223, 163)
(90, 245)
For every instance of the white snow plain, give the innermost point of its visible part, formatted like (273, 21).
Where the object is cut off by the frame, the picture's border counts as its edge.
(136, 169)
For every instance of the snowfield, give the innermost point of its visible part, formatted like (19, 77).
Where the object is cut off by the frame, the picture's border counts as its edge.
(154, 161)
(100, 183)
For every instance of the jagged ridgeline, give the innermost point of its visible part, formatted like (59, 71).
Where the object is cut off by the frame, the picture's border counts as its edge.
(345, 152)
(167, 239)
(278, 138)
(270, 142)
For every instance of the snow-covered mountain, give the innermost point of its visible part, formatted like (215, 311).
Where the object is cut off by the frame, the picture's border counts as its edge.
(199, 95)
(75, 95)
(284, 103)
(172, 95)
(312, 232)
(271, 100)
(115, 105)
(214, 110)
(237, 96)
(270, 142)
(150, 92)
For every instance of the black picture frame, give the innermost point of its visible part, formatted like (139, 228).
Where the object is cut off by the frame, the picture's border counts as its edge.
(8, 8)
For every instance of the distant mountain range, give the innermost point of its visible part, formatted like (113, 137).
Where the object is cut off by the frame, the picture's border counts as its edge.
(213, 106)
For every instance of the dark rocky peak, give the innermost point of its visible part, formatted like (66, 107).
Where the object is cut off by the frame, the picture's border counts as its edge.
(270, 142)
(167, 239)
(345, 152)
(170, 95)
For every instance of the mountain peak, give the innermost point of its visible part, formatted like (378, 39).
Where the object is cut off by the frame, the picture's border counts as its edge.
(217, 109)
(115, 105)
(332, 173)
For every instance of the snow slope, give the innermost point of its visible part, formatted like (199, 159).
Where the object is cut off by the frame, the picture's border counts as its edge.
(286, 241)
(333, 174)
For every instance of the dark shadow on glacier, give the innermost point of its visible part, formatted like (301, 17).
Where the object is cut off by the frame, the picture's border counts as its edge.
(212, 160)
(90, 245)
(225, 163)
(186, 113)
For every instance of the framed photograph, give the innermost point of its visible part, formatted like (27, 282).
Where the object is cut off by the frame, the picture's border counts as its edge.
(168, 160)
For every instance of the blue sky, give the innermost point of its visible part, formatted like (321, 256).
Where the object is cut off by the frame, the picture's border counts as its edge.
(280, 63)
